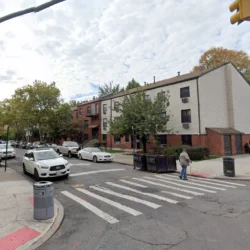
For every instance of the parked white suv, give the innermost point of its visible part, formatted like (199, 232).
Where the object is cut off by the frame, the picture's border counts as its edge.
(44, 163)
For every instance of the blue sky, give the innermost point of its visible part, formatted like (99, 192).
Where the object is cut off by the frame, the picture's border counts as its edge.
(81, 44)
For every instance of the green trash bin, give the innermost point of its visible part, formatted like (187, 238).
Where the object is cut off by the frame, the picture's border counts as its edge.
(228, 166)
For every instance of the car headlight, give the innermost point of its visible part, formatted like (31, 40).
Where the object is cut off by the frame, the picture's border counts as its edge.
(66, 164)
(43, 166)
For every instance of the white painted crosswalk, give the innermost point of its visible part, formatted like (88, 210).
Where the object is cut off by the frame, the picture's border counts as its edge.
(147, 192)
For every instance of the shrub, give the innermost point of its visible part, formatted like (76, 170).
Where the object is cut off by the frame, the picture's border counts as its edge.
(195, 153)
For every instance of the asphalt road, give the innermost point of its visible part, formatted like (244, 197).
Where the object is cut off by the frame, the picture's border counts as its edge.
(112, 211)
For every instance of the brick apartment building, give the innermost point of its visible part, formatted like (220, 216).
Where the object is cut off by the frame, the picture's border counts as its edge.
(209, 108)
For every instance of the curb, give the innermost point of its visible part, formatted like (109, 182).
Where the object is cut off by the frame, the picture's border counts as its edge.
(231, 178)
(57, 221)
(52, 229)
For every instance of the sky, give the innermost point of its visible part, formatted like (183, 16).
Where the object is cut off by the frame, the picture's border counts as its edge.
(83, 44)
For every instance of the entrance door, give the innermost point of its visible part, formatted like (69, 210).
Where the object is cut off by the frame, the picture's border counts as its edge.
(227, 145)
(238, 144)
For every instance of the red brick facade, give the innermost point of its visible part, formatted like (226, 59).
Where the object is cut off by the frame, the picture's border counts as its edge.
(93, 120)
(213, 140)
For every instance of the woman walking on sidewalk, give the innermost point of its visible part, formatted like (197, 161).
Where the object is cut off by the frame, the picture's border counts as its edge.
(184, 161)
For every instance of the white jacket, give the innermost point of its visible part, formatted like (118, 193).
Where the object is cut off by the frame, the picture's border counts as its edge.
(184, 159)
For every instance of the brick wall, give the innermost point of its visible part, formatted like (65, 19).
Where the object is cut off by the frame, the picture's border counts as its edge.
(233, 144)
(215, 142)
(174, 140)
(199, 140)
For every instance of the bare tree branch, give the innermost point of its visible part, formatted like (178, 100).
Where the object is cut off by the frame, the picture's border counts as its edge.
(30, 10)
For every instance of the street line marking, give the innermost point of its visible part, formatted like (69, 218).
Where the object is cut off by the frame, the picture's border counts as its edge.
(139, 192)
(96, 172)
(110, 202)
(195, 184)
(124, 196)
(219, 181)
(170, 187)
(206, 182)
(133, 184)
(79, 164)
(226, 182)
(92, 208)
(178, 195)
(181, 185)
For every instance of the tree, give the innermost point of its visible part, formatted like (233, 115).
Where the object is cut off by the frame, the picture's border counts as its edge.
(30, 10)
(215, 57)
(142, 116)
(109, 89)
(74, 103)
(133, 84)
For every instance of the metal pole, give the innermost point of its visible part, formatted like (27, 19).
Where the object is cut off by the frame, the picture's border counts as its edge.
(6, 155)
(133, 139)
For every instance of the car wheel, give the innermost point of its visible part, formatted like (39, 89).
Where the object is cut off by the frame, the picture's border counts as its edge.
(69, 154)
(24, 169)
(95, 159)
(36, 175)
(80, 157)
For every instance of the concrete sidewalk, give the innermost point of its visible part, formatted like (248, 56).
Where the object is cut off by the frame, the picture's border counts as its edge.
(208, 169)
(18, 229)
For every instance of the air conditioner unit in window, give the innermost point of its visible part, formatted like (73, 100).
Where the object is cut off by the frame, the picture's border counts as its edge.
(185, 100)
(185, 125)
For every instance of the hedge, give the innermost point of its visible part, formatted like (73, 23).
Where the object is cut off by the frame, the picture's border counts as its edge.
(195, 153)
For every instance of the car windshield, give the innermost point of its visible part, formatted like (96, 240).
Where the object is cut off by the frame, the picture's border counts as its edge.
(3, 146)
(45, 155)
(95, 150)
(72, 144)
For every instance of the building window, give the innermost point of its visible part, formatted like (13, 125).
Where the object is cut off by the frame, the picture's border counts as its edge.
(186, 140)
(127, 138)
(96, 108)
(162, 139)
(104, 109)
(80, 112)
(104, 137)
(161, 94)
(117, 140)
(163, 114)
(186, 116)
(88, 110)
(116, 106)
(185, 92)
(105, 123)
(86, 124)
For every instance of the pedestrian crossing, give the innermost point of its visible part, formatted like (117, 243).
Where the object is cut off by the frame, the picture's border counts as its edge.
(151, 191)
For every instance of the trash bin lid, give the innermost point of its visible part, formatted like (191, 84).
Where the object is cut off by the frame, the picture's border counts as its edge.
(43, 184)
(228, 158)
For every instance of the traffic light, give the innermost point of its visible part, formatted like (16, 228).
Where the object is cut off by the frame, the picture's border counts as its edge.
(243, 11)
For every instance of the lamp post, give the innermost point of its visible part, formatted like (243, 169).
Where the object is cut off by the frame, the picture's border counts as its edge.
(6, 127)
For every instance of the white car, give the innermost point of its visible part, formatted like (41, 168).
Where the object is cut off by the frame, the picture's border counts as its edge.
(10, 151)
(44, 163)
(94, 154)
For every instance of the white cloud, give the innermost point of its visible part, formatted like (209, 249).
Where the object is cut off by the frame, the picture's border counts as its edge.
(76, 43)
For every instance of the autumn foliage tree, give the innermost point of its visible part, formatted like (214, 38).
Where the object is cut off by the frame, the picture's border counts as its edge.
(215, 57)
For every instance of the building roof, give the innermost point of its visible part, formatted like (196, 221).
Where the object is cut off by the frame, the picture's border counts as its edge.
(226, 131)
(170, 81)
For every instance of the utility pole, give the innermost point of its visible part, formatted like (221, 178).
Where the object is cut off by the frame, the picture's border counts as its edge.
(6, 127)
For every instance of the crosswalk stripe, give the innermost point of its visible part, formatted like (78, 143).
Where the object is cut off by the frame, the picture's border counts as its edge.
(96, 172)
(139, 192)
(92, 208)
(134, 184)
(195, 184)
(110, 202)
(124, 196)
(170, 187)
(181, 185)
(206, 182)
(225, 182)
(219, 181)
(178, 195)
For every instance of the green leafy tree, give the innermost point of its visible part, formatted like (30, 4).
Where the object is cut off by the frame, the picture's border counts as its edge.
(74, 103)
(109, 89)
(133, 84)
(142, 115)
